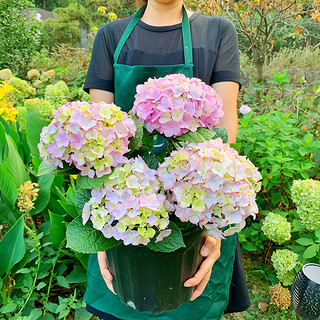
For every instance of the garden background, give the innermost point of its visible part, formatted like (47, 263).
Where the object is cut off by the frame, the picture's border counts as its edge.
(44, 56)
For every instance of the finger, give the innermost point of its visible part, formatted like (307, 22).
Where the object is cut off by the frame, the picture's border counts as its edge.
(106, 274)
(209, 246)
(205, 268)
(200, 287)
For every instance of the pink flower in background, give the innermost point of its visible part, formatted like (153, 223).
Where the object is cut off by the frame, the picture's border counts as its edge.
(244, 109)
(94, 138)
(175, 104)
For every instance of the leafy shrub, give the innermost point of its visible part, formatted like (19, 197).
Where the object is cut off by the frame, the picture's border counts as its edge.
(281, 150)
(55, 96)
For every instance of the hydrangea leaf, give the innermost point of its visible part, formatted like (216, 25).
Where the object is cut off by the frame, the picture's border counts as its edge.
(152, 161)
(135, 141)
(169, 244)
(305, 241)
(204, 134)
(311, 251)
(82, 196)
(84, 239)
(84, 182)
(56, 171)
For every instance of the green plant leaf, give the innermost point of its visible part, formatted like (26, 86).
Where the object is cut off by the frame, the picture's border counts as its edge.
(35, 314)
(8, 186)
(77, 275)
(311, 251)
(56, 171)
(82, 196)
(171, 243)
(236, 146)
(14, 164)
(84, 182)
(45, 183)
(82, 314)
(7, 214)
(305, 241)
(84, 239)
(317, 233)
(3, 144)
(58, 229)
(135, 141)
(10, 307)
(152, 161)
(12, 247)
(34, 125)
(204, 134)
(69, 208)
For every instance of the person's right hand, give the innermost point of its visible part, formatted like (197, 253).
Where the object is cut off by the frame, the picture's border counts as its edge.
(106, 274)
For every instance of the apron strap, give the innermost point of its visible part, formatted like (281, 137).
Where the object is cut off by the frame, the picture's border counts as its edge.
(186, 35)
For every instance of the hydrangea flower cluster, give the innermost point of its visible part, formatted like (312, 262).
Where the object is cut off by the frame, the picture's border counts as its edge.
(276, 228)
(306, 195)
(23, 90)
(129, 206)
(211, 185)
(284, 261)
(175, 104)
(92, 137)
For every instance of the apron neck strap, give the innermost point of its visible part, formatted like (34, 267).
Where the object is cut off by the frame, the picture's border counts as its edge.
(186, 35)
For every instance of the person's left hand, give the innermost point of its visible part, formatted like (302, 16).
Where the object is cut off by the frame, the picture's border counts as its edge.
(211, 251)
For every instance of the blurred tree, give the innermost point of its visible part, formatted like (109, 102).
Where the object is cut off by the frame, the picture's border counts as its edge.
(19, 35)
(257, 20)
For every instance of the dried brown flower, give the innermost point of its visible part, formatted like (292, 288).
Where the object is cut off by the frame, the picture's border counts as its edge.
(280, 296)
(27, 196)
(33, 74)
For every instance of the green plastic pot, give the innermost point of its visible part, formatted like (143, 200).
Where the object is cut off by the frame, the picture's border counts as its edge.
(153, 281)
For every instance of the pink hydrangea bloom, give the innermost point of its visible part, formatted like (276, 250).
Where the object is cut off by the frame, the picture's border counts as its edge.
(175, 104)
(244, 109)
(129, 206)
(93, 137)
(211, 185)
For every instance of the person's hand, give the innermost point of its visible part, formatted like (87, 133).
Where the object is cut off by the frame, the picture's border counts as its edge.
(211, 251)
(106, 274)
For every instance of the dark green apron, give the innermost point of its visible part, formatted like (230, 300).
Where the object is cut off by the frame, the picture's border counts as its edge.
(214, 300)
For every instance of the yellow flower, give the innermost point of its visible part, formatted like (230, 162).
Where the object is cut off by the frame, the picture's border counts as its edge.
(28, 194)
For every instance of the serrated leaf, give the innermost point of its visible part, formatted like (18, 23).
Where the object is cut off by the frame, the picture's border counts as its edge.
(311, 251)
(202, 134)
(56, 171)
(169, 244)
(84, 182)
(135, 141)
(82, 196)
(305, 241)
(152, 161)
(35, 314)
(84, 239)
(51, 307)
(82, 314)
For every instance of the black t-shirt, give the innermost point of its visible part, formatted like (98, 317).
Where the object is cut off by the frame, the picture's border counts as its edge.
(214, 48)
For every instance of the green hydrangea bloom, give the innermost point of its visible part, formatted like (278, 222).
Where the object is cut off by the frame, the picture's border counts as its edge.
(62, 86)
(276, 228)
(55, 96)
(78, 94)
(43, 107)
(284, 261)
(5, 74)
(306, 195)
(24, 90)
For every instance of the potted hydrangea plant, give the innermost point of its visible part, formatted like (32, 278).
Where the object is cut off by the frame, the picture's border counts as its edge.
(142, 206)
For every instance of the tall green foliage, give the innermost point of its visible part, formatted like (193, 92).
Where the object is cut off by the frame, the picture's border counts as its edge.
(19, 35)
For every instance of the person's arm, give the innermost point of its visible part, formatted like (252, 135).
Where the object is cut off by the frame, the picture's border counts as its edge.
(97, 95)
(228, 92)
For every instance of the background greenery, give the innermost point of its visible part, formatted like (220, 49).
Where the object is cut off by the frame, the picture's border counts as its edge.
(48, 61)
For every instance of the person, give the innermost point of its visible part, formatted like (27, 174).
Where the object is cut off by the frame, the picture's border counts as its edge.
(164, 38)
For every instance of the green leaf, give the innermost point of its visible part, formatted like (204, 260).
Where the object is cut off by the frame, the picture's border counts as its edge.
(82, 196)
(69, 208)
(84, 182)
(8, 186)
(83, 258)
(10, 307)
(62, 282)
(236, 146)
(51, 307)
(171, 243)
(202, 134)
(78, 275)
(3, 144)
(305, 241)
(45, 169)
(311, 251)
(40, 285)
(45, 183)
(136, 140)
(14, 164)
(35, 314)
(34, 125)
(57, 231)
(82, 314)
(317, 233)
(152, 161)
(85, 239)
(12, 247)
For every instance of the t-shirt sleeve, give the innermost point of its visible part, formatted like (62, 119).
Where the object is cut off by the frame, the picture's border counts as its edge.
(100, 72)
(227, 66)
